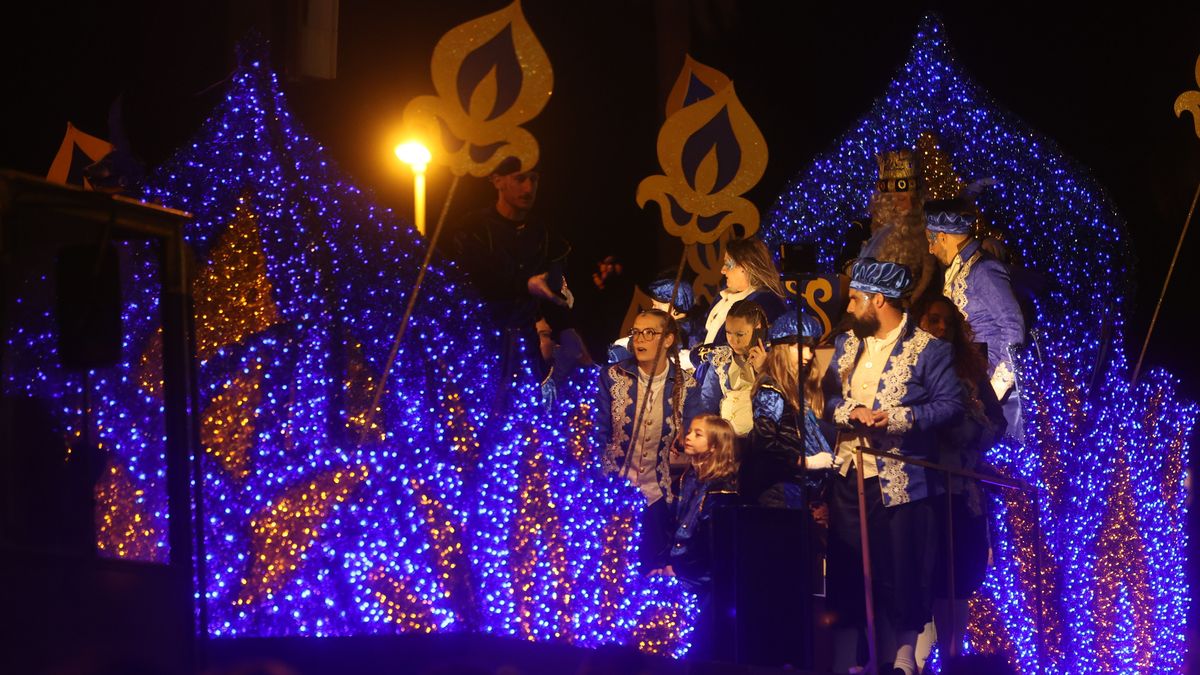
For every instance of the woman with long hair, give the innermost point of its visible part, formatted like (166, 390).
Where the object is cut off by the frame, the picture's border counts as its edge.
(750, 274)
(643, 406)
(962, 446)
(728, 371)
(786, 445)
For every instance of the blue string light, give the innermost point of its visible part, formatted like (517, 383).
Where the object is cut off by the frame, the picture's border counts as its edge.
(1109, 461)
(447, 518)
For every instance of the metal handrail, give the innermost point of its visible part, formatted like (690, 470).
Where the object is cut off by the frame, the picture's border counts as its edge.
(991, 479)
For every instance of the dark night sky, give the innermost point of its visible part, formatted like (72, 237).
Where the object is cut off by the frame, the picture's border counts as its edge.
(1100, 82)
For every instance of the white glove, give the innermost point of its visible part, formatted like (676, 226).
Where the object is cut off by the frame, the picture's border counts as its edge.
(821, 460)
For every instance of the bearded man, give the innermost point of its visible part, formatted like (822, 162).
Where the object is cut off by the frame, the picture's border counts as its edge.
(891, 387)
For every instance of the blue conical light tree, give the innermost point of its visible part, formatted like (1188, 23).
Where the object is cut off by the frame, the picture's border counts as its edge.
(1101, 552)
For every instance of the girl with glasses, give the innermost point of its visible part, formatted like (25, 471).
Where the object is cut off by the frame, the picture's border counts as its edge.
(643, 407)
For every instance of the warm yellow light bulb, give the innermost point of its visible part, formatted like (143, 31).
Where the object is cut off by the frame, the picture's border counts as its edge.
(414, 154)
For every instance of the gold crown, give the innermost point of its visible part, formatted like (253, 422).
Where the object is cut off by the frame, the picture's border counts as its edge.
(897, 171)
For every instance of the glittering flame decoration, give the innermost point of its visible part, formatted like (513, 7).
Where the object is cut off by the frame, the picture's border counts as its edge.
(538, 541)
(359, 392)
(696, 82)
(124, 527)
(445, 538)
(711, 153)
(227, 428)
(289, 526)
(491, 76)
(1189, 101)
(403, 607)
(233, 294)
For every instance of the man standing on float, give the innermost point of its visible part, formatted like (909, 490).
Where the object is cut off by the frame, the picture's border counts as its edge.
(891, 387)
(980, 286)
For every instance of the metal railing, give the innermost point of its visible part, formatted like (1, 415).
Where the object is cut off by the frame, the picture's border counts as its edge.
(991, 479)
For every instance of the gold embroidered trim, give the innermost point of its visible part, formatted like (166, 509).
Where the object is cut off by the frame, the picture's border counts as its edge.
(894, 480)
(958, 287)
(845, 365)
(895, 380)
(620, 417)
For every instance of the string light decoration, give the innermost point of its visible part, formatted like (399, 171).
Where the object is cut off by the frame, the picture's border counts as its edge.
(1051, 210)
(1105, 591)
(472, 504)
(470, 496)
(538, 497)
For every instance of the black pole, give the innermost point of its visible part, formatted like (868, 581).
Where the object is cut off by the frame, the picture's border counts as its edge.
(183, 471)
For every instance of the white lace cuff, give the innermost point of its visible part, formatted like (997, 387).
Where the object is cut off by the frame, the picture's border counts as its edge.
(899, 420)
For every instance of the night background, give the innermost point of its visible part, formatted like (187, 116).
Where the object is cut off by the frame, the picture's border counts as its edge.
(1099, 82)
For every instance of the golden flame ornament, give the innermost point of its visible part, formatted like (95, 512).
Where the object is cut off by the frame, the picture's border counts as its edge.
(491, 76)
(233, 294)
(227, 428)
(696, 82)
(284, 530)
(1189, 101)
(711, 153)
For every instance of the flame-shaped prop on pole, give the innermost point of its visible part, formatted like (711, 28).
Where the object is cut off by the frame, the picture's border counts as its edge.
(1188, 101)
(491, 76)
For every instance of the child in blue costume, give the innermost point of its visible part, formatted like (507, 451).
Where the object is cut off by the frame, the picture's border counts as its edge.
(709, 481)
(730, 370)
(779, 456)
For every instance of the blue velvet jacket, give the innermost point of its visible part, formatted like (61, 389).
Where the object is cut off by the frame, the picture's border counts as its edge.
(921, 393)
(983, 292)
(614, 413)
(691, 555)
(713, 367)
(769, 408)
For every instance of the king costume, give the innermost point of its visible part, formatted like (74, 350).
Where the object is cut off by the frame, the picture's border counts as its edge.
(980, 286)
(910, 375)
